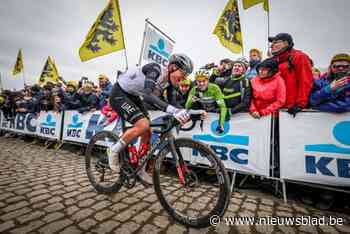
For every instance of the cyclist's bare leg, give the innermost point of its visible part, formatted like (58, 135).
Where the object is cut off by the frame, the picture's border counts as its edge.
(140, 128)
(145, 139)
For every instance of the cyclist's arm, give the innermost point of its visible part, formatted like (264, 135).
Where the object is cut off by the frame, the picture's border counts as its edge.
(152, 72)
(219, 97)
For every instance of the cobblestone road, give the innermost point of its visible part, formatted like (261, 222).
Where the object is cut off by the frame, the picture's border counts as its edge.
(46, 192)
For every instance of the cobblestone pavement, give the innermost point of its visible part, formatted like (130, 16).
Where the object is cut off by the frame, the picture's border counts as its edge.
(46, 192)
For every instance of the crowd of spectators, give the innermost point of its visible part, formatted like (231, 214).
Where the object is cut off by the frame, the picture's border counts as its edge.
(286, 79)
(82, 96)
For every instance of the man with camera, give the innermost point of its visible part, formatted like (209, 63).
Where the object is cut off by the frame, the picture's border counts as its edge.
(331, 92)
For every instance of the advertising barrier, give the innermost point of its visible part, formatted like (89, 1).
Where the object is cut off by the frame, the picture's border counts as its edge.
(81, 127)
(49, 125)
(315, 147)
(243, 146)
(45, 124)
(22, 123)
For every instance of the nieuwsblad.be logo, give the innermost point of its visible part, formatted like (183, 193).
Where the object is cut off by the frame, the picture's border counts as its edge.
(226, 146)
(330, 159)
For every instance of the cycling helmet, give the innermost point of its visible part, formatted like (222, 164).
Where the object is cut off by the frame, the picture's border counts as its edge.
(202, 75)
(183, 62)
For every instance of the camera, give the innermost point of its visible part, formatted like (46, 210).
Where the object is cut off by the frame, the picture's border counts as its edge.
(83, 81)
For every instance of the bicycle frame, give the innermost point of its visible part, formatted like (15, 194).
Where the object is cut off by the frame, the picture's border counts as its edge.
(163, 141)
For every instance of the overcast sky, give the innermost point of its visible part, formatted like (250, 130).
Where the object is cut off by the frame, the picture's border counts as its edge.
(58, 28)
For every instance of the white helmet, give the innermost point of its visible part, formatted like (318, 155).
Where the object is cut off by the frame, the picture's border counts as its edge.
(183, 62)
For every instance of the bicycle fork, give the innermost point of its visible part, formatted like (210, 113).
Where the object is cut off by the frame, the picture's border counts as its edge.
(181, 167)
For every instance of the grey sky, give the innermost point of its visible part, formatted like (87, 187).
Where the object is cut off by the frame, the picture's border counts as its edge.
(57, 28)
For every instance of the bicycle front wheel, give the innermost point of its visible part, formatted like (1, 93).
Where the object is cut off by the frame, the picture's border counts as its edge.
(202, 192)
(102, 178)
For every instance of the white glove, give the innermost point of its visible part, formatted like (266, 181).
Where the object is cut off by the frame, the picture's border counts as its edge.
(182, 116)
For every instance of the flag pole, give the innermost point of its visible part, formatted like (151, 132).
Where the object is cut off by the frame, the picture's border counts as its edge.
(268, 26)
(24, 79)
(170, 39)
(143, 43)
(121, 28)
(1, 88)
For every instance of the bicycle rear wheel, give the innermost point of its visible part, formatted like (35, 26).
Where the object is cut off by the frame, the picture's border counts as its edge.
(102, 178)
(206, 191)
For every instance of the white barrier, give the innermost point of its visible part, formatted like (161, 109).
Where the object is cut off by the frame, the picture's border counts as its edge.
(315, 147)
(81, 127)
(45, 124)
(22, 123)
(244, 146)
(49, 125)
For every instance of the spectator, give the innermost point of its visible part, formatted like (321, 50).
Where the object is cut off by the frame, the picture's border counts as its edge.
(109, 113)
(222, 72)
(71, 98)
(255, 57)
(236, 88)
(106, 88)
(45, 103)
(27, 104)
(316, 73)
(184, 90)
(207, 96)
(8, 105)
(268, 90)
(37, 92)
(57, 103)
(88, 100)
(331, 92)
(295, 68)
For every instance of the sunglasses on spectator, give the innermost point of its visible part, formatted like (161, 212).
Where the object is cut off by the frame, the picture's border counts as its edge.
(335, 66)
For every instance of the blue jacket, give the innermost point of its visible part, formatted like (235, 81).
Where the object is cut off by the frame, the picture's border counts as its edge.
(324, 99)
(87, 102)
(252, 72)
(106, 91)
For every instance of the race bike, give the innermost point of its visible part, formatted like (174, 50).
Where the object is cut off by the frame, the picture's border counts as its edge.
(191, 193)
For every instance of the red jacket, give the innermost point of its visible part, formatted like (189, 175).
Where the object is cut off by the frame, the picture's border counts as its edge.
(108, 112)
(296, 70)
(269, 94)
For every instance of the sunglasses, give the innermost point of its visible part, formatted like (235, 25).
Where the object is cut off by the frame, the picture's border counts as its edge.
(341, 66)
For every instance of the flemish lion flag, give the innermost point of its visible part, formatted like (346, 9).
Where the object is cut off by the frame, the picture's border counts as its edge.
(49, 73)
(249, 3)
(228, 28)
(19, 64)
(105, 35)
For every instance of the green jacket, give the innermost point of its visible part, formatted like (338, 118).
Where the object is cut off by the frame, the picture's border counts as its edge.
(208, 100)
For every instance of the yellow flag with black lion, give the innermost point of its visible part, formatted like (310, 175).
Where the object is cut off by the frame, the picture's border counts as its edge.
(228, 28)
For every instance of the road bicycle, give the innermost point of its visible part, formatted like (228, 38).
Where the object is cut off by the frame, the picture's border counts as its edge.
(191, 193)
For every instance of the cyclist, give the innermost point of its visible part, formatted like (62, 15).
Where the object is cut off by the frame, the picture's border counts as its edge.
(207, 96)
(145, 84)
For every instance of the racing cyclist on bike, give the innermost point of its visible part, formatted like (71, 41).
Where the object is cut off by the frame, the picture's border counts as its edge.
(145, 84)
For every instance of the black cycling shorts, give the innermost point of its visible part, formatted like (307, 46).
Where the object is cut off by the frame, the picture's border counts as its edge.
(128, 106)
